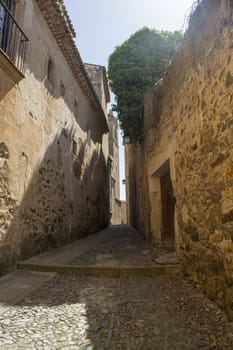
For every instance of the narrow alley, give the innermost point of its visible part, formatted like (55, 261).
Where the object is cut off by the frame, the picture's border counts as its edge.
(77, 310)
(120, 132)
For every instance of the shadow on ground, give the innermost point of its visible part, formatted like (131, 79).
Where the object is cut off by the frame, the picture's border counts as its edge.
(81, 312)
(96, 313)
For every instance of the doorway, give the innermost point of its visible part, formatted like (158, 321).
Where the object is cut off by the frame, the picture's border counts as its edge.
(168, 210)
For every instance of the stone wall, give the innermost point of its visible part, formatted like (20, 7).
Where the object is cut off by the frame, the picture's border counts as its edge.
(98, 78)
(189, 128)
(115, 203)
(53, 174)
(123, 213)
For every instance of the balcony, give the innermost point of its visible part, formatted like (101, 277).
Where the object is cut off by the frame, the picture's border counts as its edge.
(13, 44)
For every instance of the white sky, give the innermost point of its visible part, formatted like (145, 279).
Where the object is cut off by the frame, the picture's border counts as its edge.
(101, 25)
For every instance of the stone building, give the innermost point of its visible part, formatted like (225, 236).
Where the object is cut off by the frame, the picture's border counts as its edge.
(53, 135)
(124, 220)
(114, 181)
(180, 179)
(97, 75)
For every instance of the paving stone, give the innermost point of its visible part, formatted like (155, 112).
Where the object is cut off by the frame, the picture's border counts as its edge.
(124, 246)
(94, 313)
(105, 313)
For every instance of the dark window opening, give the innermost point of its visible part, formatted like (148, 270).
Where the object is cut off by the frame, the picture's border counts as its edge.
(6, 15)
(51, 73)
(62, 89)
(76, 109)
(13, 41)
(111, 148)
(168, 209)
(75, 147)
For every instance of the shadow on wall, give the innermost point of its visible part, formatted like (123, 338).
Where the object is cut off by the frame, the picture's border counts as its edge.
(89, 313)
(60, 203)
(6, 85)
(55, 76)
(66, 196)
(54, 89)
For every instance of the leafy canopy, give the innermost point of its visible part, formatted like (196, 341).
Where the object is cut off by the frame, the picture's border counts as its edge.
(134, 67)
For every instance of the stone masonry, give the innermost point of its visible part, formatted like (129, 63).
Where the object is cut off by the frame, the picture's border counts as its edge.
(53, 141)
(114, 176)
(77, 312)
(189, 130)
(97, 75)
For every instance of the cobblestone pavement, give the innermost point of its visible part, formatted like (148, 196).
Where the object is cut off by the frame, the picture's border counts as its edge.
(93, 313)
(137, 313)
(124, 246)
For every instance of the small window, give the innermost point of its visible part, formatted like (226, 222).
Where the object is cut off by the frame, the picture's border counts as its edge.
(75, 148)
(116, 130)
(76, 108)
(88, 136)
(51, 73)
(62, 89)
(111, 148)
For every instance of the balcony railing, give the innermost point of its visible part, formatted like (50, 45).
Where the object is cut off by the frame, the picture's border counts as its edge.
(13, 41)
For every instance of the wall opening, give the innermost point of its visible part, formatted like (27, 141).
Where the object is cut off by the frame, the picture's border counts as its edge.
(168, 210)
(75, 147)
(51, 75)
(62, 89)
(76, 109)
(162, 207)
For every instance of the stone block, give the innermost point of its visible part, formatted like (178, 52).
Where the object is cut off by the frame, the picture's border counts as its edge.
(216, 237)
(228, 262)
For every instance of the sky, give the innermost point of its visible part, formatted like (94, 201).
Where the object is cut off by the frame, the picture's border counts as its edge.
(101, 25)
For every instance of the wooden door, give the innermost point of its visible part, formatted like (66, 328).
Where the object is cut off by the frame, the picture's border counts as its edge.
(168, 210)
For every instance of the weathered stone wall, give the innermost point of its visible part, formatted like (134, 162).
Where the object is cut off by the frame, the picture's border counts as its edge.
(53, 174)
(115, 203)
(137, 194)
(98, 78)
(189, 125)
(123, 213)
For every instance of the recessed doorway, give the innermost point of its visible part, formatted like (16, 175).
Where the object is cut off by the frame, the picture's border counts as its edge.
(168, 210)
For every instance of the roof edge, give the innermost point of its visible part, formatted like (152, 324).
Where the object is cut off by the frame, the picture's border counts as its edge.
(58, 20)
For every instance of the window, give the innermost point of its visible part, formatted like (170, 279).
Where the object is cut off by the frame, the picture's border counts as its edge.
(76, 109)
(51, 73)
(88, 136)
(6, 24)
(51, 80)
(13, 41)
(111, 148)
(75, 148)
(62, 89)
(116, 136)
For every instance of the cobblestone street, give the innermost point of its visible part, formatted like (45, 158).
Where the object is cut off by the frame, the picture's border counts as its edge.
(86, 312)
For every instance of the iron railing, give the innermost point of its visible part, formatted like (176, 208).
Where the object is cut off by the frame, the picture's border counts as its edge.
(13, 41)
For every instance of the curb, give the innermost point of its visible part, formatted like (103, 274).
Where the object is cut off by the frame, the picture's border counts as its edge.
(107, 271)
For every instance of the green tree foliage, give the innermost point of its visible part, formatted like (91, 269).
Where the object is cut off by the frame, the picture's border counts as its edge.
(134, 67)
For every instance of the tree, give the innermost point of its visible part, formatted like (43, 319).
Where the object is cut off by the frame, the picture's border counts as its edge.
(134, 67)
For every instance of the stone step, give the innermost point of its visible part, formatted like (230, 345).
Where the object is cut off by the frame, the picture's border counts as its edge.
(104, 271)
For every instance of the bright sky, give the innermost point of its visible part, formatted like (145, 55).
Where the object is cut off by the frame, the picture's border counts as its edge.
(101, 25)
